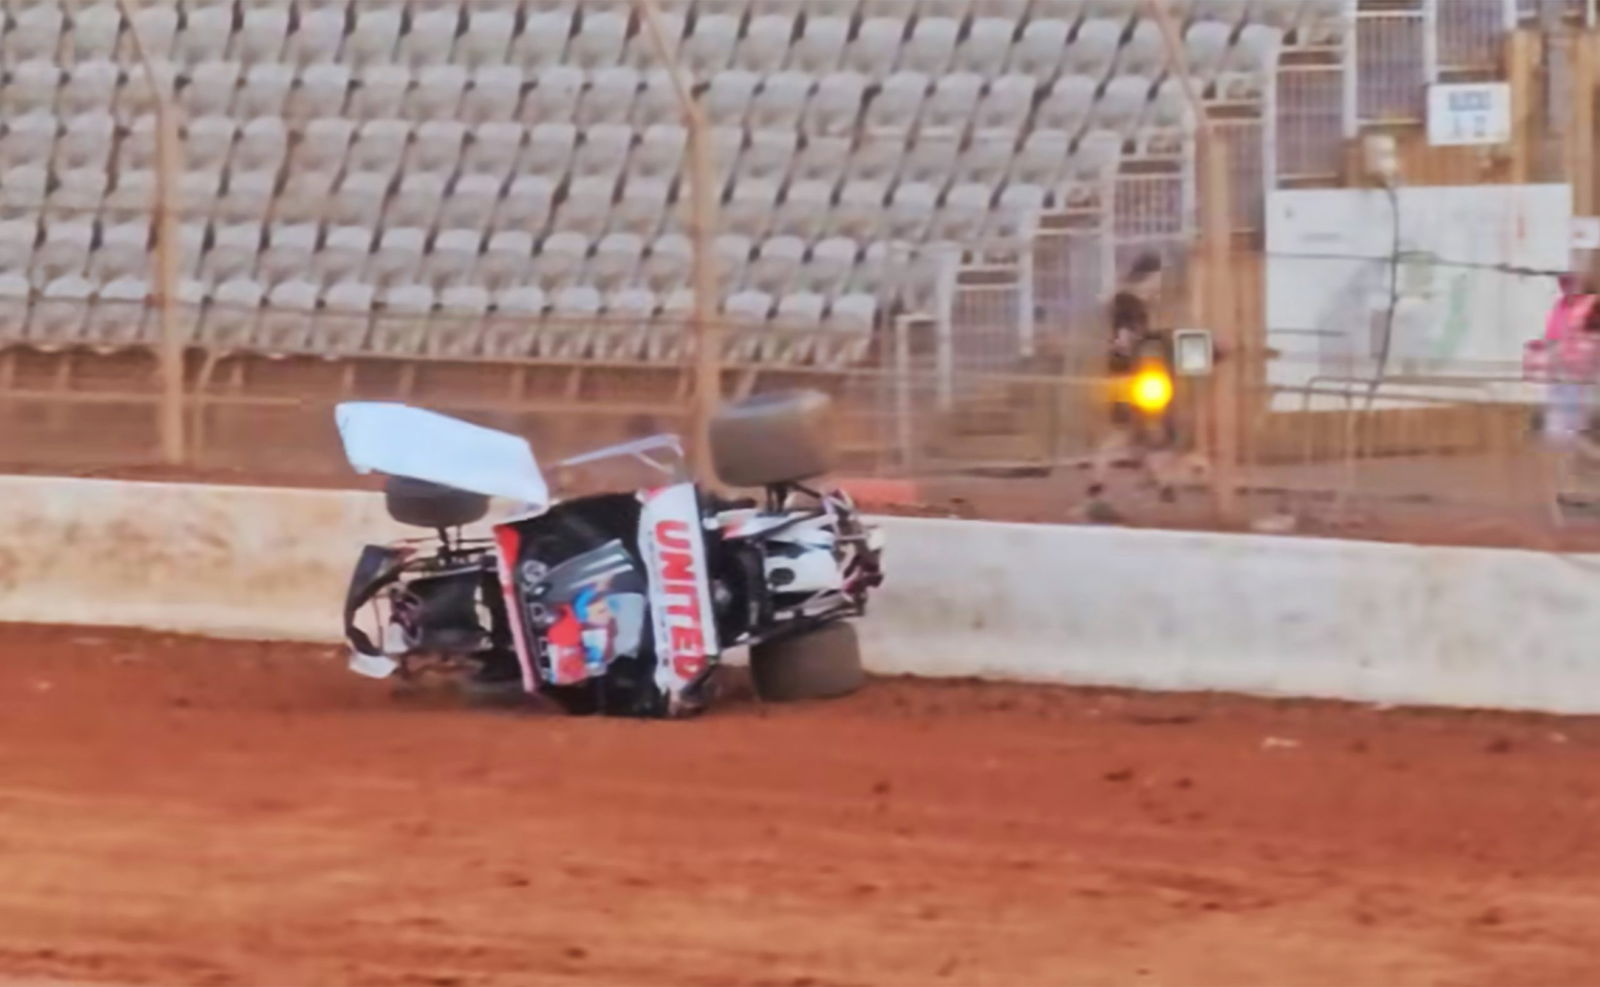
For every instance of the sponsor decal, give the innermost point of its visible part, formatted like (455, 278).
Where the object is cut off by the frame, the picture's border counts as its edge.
(680, 597)
(680, 584)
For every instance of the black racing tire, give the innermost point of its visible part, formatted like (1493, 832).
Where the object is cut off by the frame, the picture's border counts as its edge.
(820, 664)
(771, 438)
(432, 505)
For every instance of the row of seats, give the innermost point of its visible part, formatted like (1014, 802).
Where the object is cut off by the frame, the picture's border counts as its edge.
(833, 104)
(814, 37)
(78, 153)
(464, 321)
(274, 254)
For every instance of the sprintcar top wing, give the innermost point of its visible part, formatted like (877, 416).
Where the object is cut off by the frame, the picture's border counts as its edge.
(400, 440)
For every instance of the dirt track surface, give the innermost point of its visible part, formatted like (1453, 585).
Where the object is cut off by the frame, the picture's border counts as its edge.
(178, 811)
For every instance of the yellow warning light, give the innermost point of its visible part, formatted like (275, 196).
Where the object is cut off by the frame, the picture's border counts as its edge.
(1151, 390)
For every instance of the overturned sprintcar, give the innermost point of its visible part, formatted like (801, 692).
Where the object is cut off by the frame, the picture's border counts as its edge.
(620, 603)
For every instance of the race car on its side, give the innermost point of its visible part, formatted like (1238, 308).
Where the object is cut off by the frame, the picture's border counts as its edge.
(618, 603)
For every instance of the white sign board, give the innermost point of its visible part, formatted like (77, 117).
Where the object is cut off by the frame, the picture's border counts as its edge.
(1469, 113)
(1192, 351)
(1586, 233)
(1469, 289)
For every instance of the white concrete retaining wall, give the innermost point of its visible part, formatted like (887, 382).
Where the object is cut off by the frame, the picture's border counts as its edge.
(1152, 610)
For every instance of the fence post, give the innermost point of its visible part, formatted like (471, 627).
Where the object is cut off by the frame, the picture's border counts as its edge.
(1027, 303)
(905, 435)
(702, 176)
(1215, 274)
(1522, 66)
(169, 163)
(944, 327)
(1580, 128)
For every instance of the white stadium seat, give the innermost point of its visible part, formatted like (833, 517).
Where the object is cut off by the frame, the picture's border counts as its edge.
(1040, 49)
(401, 322)
(379, 91)
(859, 213)
(493, 149)
(642, 207)
(765, 44)
(780, 102)
(768, 155)
(667, 266)
(604, 151)
(987, 45)
(932, 48)
(615, 261)
(609, 96)
(1005, 106)
(318, 36)
(1093, 49)
(436, 147)
(951, 105)
(431, 36)
(32, 87)
(437, 92)
(290, 251)
(345, 319)
(560, 260)
(398, 257)
(554, 96)
(876, 46)
(708, 49)
(898, 103)
(599, 40)
(510, 330)
(549, 149)
(507, 259)
(61, 311)
(90, 87)
(486, 40)
(1068, 106)
(210, 87)
(120, 313)
(527, 205)
(494, 95)
(820, 46)
(543, 41)
(233, 315)
(836, 104)
(264, 91)
(207, 29)
(456, 328)
(263, 30)
(1145, 52)
(659, 153)
(95, 31)
(830, 265)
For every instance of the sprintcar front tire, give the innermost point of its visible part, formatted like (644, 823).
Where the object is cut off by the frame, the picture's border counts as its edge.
(775, 437)
(821, 664)
(432, 505)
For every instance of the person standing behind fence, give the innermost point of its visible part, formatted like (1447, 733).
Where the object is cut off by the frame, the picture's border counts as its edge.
(1147, 439)
(1572, 332)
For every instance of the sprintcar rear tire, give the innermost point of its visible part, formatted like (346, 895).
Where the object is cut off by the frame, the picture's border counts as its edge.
(432, 505)
(776, 437)
(820, 664)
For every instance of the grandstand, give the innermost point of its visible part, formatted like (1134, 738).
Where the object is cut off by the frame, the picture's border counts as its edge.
(505, 180)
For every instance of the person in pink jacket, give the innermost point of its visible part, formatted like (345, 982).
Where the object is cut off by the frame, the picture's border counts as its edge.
(1571, 353)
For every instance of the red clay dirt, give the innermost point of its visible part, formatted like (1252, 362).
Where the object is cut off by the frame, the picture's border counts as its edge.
(179, 811)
